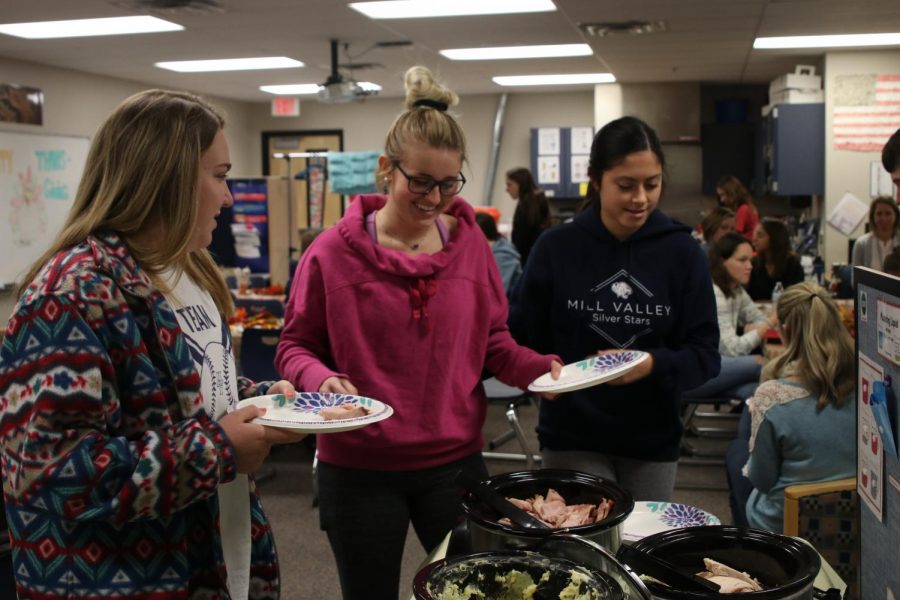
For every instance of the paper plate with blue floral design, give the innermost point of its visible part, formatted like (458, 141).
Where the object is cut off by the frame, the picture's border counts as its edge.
(319, 412)
(648, 518)
(591, 371)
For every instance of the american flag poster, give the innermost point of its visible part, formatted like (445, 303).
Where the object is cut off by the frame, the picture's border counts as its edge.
(866, 111)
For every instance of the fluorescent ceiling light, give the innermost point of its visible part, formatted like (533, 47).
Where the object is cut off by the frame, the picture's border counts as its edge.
(231, 64)
(294, 89)
(88, 27)
(414, 9)
(828, 41)
(504, 52)
(516, 80)
(305, 89)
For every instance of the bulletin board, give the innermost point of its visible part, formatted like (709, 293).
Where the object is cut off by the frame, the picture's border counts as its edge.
(39, 177)
(878, 466)
(559, 159)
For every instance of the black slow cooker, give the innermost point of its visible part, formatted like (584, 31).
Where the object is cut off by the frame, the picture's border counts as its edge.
(786, 567)
(487, 533)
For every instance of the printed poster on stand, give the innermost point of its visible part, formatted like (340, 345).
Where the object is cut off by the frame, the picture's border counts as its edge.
(870, 454)
(888, 327)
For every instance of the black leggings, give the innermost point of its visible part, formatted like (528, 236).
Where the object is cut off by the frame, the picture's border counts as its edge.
(366, 515)
(739, 487)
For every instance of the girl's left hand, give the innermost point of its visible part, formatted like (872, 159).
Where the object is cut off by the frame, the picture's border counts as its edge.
(555, 372)
(277, 435)
(635, 374)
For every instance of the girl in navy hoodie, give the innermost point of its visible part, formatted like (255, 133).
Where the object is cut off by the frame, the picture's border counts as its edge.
(621, 275)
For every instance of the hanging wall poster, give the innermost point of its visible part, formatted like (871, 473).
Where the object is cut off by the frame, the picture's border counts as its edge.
(548, 169)
(20, 104)
(866, 112)
(582, 138)
(548, 140)
(870, 454)
(251, 223)
(315, 177)
(579, 168)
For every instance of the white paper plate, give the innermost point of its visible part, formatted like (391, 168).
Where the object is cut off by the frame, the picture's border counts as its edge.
(648, 518)
(302, 413)
(588, 372)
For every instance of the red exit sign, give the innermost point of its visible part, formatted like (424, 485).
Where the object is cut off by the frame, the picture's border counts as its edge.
(286, 106)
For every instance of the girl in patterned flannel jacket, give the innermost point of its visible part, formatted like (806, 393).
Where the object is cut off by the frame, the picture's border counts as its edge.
(124, 472)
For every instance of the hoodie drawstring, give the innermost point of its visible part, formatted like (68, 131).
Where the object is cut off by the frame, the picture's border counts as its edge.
(421, 291)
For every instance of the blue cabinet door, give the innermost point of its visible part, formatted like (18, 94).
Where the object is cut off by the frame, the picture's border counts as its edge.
(795, 150)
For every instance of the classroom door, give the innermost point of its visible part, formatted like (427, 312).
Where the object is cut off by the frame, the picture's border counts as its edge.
(311, 203)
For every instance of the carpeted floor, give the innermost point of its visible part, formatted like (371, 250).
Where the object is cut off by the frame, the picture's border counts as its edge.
(307, 567)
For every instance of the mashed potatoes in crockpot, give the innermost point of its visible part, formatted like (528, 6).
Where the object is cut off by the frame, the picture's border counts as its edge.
(517, 585)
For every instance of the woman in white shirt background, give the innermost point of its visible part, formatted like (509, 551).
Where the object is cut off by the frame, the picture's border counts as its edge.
(730, 264)
(871, 248)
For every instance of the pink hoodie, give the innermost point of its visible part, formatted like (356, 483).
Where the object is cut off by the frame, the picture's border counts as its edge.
(415, 333)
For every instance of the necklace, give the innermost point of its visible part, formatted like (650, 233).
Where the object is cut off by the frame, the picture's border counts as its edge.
(412, 246)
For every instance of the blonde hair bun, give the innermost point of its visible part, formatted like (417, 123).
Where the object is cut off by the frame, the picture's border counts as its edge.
(421, 85)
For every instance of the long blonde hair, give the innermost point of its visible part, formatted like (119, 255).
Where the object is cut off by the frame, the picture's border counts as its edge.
(819, 351)
(141, 174)
(425, 119)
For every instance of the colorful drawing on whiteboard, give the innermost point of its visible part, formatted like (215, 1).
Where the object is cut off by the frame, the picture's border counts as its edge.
(28, 211)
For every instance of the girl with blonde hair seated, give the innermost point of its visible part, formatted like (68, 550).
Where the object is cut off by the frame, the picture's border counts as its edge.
(803, 415)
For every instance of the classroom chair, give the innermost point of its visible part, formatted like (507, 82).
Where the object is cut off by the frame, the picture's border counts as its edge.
(826, 515)
(513, 398)
(720, 413)
(706, 456)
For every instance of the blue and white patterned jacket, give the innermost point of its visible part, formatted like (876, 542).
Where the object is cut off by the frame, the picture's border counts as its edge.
(110, 464)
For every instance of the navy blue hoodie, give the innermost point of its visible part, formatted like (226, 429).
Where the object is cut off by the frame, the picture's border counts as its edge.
(583, 291)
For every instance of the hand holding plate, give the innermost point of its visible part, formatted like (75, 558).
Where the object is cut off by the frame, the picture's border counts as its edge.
(593, 371)
(555, 372)
(247, 439)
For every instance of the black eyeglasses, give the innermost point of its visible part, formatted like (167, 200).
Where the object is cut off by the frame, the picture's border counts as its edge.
(423, 185)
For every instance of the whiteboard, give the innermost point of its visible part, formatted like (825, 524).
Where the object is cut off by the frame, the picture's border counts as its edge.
(39, 177)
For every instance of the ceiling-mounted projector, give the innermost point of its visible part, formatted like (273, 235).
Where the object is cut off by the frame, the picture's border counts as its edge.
(343, 91)
(337, 88)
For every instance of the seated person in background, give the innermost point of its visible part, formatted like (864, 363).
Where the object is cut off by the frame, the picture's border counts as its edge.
(729, 264)
(774, 260)
(715, 224)
(803, 417)
(870, 249)
(892, 263)
(504, 253)
(734, 195)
